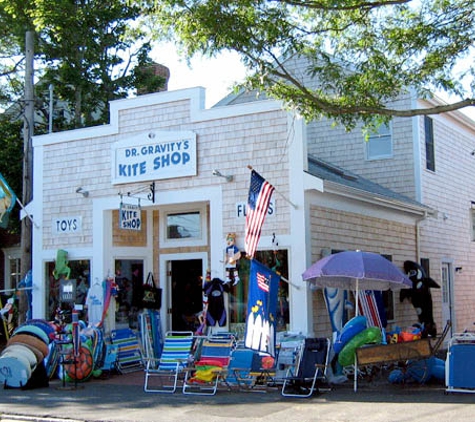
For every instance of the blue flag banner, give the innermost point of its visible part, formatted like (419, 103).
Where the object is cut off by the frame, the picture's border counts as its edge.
(261, 309)
(7, 201)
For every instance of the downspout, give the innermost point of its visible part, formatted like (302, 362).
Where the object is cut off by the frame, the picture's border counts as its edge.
(418, 240)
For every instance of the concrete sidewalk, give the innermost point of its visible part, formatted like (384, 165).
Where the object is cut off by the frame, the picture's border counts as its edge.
(121, 399)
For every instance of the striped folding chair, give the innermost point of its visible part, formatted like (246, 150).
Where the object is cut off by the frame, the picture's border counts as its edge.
(211, 366)
(166, 369)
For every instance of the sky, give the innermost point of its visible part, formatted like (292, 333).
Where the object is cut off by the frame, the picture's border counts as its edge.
(217, 75)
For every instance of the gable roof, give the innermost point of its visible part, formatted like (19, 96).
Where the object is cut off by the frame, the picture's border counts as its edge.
(340, 181)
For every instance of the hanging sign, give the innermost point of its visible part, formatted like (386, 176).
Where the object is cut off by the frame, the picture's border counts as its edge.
(154, 155)
(130, 217)
(67, 290)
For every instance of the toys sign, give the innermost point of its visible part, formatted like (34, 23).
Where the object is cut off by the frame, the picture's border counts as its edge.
(154, 156)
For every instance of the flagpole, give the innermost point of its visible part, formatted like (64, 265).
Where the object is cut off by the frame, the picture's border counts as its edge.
(276, 191)
(289, 282)
(281, 276)
(27, 214)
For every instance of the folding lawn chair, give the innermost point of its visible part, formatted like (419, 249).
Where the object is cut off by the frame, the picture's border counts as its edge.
(175, 354)
(211, 366)
(311, 365)
(250, 370)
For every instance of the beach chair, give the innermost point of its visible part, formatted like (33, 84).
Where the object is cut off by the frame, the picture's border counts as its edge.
(129, 358)
(251, 371)
(167, 368)
(210, 367)
(301, 380)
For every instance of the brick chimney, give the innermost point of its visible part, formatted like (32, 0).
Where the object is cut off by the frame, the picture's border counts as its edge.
(154, 69)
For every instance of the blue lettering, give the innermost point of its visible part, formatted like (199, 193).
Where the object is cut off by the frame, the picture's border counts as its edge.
(130, 152)
(130, 170)
(241, 210)
(186, 157)
(176, 158)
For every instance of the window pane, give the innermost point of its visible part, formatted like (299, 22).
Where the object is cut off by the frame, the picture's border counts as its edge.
(184, 225)
(429, 141)
(238, 296)
(379, 145)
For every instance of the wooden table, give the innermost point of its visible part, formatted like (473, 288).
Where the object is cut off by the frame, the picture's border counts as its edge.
(386, 353)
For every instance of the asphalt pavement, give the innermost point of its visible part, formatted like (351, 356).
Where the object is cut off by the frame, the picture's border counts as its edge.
(121, 398)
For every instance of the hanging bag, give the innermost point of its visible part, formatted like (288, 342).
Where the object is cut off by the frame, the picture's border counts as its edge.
(151, 294)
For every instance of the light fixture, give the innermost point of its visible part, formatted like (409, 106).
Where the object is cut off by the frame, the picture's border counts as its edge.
(218, 174)
(458, 269)
(83, 192)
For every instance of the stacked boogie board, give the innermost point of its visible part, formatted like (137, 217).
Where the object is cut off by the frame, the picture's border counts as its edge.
(25, 351)
(354, 334)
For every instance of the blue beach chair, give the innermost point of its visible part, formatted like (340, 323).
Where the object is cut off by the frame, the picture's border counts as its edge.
(174, 358)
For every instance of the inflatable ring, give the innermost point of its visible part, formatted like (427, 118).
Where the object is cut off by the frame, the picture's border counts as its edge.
(38, 353)
(369, 335)
(32, 330)
(353, 327)
(23, 350)
(15, 371)
(47, 326)
(29, 340)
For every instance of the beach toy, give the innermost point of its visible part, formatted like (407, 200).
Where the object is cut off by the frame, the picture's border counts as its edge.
(353, 327)
(369, 335)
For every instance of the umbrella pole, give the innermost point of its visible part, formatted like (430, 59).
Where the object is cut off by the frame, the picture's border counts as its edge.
(355, 368)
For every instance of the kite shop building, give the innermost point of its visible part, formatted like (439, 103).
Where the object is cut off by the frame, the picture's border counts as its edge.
(157, 190)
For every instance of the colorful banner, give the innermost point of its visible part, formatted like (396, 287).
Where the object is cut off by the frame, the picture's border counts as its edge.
(7, 201)
(261, 309)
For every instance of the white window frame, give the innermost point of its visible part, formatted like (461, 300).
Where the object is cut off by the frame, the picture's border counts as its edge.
(380, 135)
(11, 279)
(185, 241)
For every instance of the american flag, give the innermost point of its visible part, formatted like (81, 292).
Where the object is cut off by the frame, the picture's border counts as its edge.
(260, 193)
(263, 282)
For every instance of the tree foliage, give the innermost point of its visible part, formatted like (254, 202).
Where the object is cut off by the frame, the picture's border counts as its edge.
(87, 50)
(363, 54)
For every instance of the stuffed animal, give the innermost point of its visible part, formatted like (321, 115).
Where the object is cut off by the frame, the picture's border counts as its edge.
(232, 257)
(61, 265)
(420, 296)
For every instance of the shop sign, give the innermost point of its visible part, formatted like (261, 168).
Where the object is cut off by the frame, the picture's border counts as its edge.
(241, 209)
(154, 155)
(67, 290)
(67, 225)
(130, 217)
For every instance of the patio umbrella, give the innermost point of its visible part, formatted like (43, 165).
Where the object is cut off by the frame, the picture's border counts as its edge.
(352, 270)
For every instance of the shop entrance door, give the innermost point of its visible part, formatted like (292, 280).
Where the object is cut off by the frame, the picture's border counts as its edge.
(186, 278)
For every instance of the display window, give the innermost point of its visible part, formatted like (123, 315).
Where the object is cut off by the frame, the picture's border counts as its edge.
(277, 260)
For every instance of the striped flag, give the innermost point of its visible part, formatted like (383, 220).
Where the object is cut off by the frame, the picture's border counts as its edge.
(260, 193)
(263, 282)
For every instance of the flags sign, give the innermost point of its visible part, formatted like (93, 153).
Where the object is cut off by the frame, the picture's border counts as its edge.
(7, 201)
(260, 193)
(261, 309)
